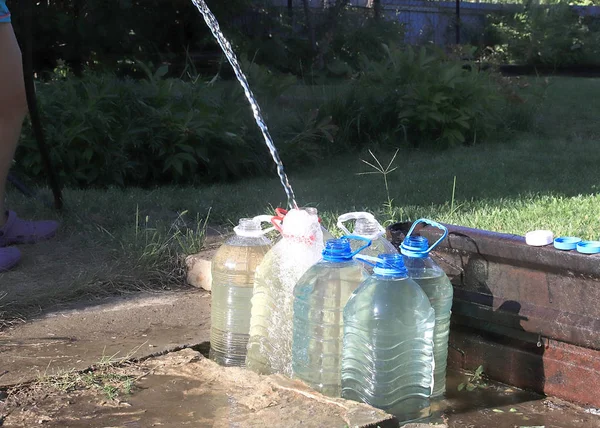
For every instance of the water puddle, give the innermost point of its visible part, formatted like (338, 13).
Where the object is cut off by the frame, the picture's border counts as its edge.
(499, 405)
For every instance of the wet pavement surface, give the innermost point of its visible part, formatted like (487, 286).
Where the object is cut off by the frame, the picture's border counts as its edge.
(182, 388)
(498, 405)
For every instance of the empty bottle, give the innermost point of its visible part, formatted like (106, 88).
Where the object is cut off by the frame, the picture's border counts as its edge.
(366, 226)
(319, 300)
(434, 282)
(233, 268)
(387, 355)
(300, 247)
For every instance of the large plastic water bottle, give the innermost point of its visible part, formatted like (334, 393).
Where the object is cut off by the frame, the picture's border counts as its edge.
(387, 355)
(319, 300)
(434, 282)
(233, 268)
(366, 226)
(300, 247)
(280, 213)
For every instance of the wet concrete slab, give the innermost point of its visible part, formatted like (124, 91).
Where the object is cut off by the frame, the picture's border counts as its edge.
(184, 388)
(80, 337)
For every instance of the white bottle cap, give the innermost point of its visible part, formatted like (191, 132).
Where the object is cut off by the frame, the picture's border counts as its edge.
(539, 238)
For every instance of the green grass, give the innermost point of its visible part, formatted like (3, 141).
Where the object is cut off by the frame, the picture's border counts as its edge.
(512, 188)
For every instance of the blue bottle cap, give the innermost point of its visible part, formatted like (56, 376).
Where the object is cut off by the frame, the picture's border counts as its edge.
(337, 250)
(566, 242)
(415, 246)
(390, 265)
(589, 247)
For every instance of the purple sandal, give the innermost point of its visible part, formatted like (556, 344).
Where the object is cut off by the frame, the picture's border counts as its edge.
(9, 257)
(17, 231)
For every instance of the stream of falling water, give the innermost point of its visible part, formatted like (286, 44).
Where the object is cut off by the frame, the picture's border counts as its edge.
(213, 24)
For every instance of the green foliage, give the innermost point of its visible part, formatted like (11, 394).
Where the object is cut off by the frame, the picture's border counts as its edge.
(474, 381)
(109, 131)
(421, 96)
(107, 34)
(280, 45)
(550, 35)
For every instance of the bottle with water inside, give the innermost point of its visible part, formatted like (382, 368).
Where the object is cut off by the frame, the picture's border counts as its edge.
(387, 354)
(435, 283)
(300, 247)
(233, 268)
(366, 226)
(319, 300)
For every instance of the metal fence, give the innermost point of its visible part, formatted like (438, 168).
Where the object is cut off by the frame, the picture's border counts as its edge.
(436, 21)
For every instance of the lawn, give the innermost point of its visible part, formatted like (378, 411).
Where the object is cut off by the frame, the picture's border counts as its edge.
(547, 179)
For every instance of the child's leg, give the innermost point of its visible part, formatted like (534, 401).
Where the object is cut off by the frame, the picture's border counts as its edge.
(13, 104)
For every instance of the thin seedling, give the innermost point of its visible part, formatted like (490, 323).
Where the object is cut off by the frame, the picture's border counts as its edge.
(384, 171)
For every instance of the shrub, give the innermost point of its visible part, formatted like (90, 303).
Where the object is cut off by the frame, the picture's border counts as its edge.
(105, 131)
(554, 35)
(422, 97)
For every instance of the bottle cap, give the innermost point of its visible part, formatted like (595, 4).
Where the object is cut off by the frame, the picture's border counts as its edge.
(538, 238)
(589, 247)
(415, 246)
(566, 243)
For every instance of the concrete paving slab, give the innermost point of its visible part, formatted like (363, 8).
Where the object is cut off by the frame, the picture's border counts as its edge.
(78, 338)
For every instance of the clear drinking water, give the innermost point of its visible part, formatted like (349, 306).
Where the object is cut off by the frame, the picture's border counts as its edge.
(319, 300)
(435, 283)
(270, 344)
(366, 226)
(387, 355)
(233, 268)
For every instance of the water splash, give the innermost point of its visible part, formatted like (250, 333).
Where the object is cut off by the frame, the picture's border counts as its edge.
(213, 24)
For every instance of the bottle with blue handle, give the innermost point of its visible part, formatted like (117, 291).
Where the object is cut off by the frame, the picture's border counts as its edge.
(319, 300)
(387, 355)
(435, 283)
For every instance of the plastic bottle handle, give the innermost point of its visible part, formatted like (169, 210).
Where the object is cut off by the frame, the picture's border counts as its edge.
(370, 260)
(355, 216)
(264, 219)
(358, 238)
(431, 223)
(255, 233)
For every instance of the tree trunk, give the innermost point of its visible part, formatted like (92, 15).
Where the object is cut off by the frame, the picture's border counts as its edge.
(310, 26)
(377, 9)
(457, 28)
(331, 26)
(77, 57)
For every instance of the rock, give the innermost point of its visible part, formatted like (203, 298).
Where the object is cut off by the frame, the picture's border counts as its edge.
(198, 269)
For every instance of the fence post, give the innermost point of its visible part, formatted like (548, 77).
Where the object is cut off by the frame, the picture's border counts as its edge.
(457, 28)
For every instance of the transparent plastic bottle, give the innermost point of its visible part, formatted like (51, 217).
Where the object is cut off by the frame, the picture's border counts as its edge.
(313, 211)
(387, 355)
(366, 226)
(300, 247)
(319, 300)
(436, 284)
(233, 268)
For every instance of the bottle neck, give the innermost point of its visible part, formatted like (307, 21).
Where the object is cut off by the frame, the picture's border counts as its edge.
(248, 228)
(367, 229)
